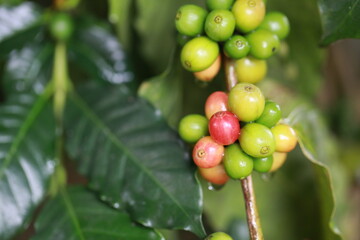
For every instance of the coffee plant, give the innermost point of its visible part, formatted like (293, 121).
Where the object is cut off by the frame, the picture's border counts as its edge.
(177, 119)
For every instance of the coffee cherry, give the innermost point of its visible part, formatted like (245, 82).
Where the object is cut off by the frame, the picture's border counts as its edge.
(236, 47)
(237, 163)
(216, 102)
(263, 43)
(216, 175)
(257, 140)
(218, 236)
(220, 25)
(61, 26)
(208, 74)
(248, 14)
(190, 20)
(263, 164)
(207, 153)
(271, 114)
(285, 137)
(193, 127)
(279, 159)
(219, 4)
(277, 23)
(246, 101)
(199, 53)
(224, 127)
(250, 70)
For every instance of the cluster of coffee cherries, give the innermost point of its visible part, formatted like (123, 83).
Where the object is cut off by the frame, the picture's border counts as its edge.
(241, 28)
(241, 132)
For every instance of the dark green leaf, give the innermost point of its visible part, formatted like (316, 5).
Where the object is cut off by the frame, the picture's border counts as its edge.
(340, 19)
(133, 159)
(319, 147)
(29, 68)
(18, 24)
(95, 50)
(165, 92)
(27, 135)
(77, 214)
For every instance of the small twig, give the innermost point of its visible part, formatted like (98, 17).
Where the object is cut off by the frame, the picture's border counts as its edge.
(252, 213)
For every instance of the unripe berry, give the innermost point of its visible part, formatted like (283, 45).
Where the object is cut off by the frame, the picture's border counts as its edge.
(224, 127)
(208, 74)
(248, 14)
(285, 138)
(216, 102)
(218, 236)
(271, 114)
(207, 153)
(250, 70)
(216, 175)
(192, 127)
(237, 163)
(257, 140)
(190, 20)
(279, 159)
(246, 101)
(199, 53)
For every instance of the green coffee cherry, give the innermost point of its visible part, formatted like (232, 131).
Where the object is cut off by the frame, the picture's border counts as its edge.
(61, 26)
(263, 43)
(257, 140)
(218, 236)
(199, 53)
(190, 20)
(250, 70)
(276, 22)
(236, 47)
(219, 4)
(237, 163)
(246, 101)
(193, 127)
(248, 14)
(220, 25)
(271, 114)
(264, 164)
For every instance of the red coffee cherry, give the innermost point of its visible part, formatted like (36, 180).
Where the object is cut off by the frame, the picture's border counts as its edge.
(207, 153)
(224, 127)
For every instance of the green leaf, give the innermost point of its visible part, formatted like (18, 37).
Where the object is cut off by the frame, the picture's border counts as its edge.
(29, 68)
(18, 24)
(133, 159)
(320, 148)
(27, 136)
(165, 92)
(340, 19)
(98, 53)
(77, 214)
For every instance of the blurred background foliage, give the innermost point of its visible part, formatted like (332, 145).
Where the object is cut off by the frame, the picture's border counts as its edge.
(316, 82)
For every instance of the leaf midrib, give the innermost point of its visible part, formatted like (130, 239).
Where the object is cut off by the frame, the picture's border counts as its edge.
(72, 214)
(92, 116)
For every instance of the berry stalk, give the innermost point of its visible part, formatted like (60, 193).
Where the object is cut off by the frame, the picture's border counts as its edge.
(252, 214)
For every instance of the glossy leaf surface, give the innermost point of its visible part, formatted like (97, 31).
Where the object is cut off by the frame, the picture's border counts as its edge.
(18, 24)
(98, 53)
(77, 214)
(340, 19)
(27, 135)
(29, 68)
(133, 159)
